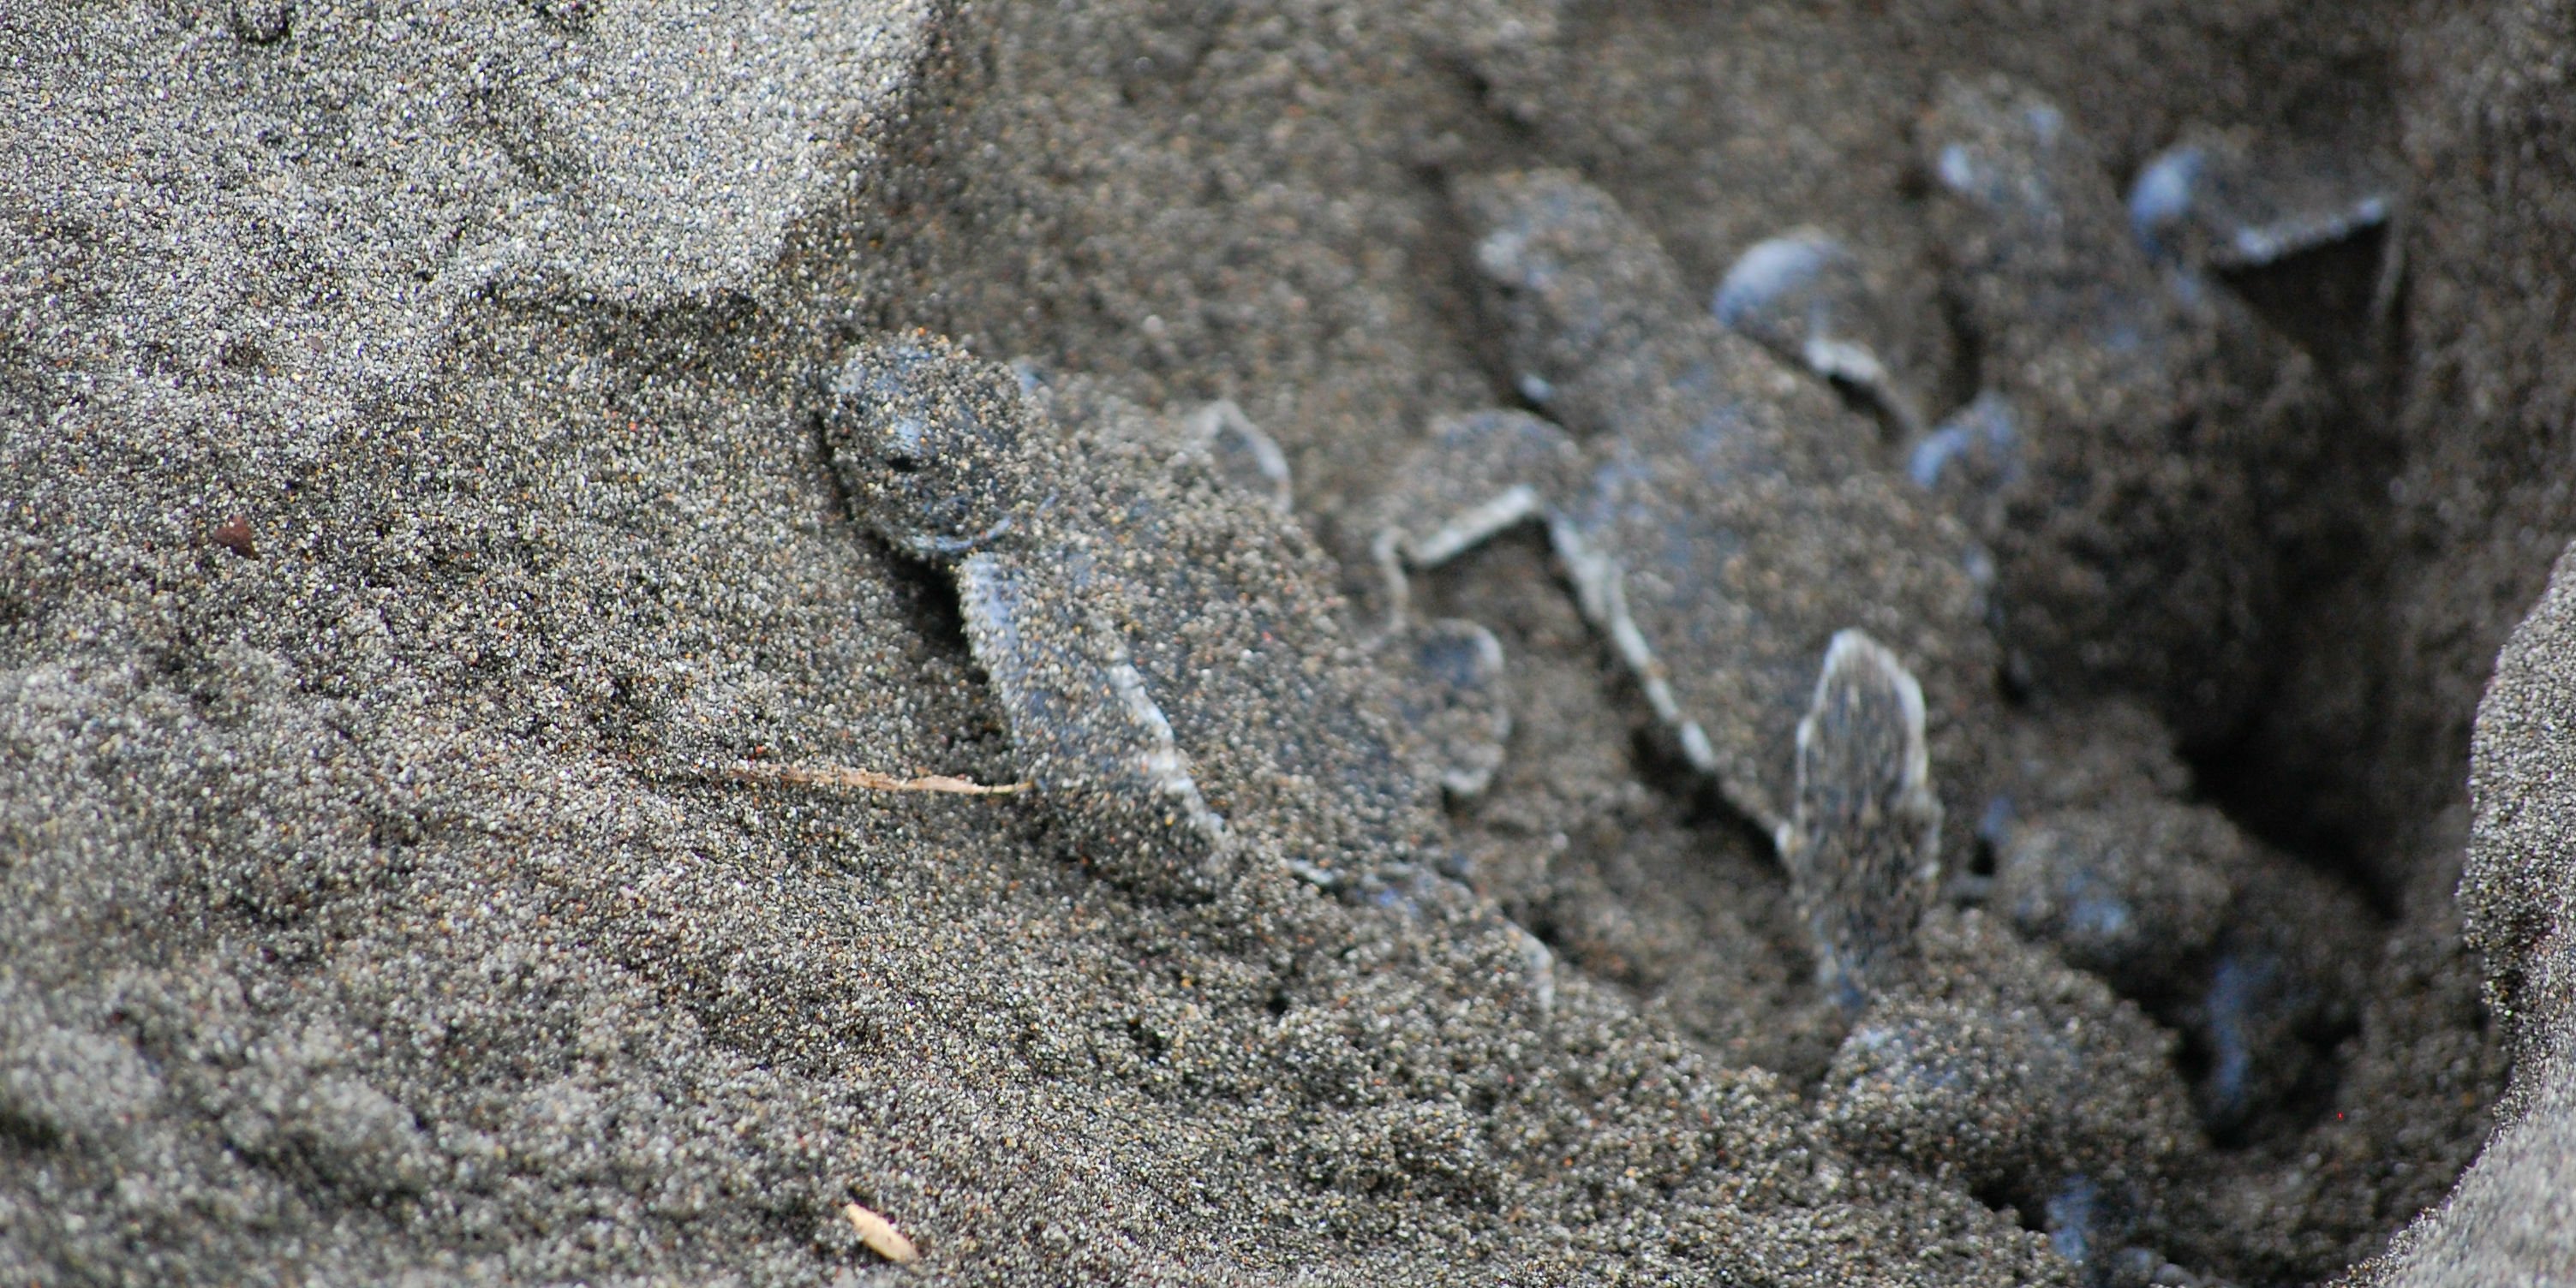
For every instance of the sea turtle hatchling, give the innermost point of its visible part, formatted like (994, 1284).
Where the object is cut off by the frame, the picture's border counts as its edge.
(2139, 435)
(1719, 515)
(2150, 445)
(1158, 630)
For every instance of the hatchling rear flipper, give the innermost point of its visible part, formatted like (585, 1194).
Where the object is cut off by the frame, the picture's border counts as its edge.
(1095, 742)
(1863, 837)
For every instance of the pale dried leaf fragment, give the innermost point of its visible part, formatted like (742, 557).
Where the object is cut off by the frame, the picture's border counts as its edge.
(867, 780)
(881, 1236)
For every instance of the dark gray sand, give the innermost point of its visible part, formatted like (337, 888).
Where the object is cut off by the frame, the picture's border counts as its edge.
(406, 517)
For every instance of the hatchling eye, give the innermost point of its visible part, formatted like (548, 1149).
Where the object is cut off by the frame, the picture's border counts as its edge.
(903, 462)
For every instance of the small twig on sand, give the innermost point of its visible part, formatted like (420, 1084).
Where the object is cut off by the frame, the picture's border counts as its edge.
(866, 780)
(881, 1236)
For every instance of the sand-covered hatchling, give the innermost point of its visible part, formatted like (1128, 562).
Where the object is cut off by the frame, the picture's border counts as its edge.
(1719, 514)
(2147, 448)
(2135, 462)
(1161, 634)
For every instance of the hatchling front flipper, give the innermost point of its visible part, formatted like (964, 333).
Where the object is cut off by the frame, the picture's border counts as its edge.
(2227, 200)
(1096, 744)
(1863, 836)
(1804, 296)
(1475, 476)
